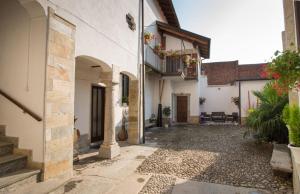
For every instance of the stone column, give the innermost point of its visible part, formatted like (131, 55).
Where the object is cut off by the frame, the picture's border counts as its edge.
(290, 40)
(59, 98)
(133, 129)
(110, 148)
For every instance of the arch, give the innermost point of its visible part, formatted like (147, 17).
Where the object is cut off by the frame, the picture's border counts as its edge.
(33, 8)
(93, 62)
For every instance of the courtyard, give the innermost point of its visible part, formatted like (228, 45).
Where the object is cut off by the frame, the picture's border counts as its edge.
(213, 154)
(181, 159)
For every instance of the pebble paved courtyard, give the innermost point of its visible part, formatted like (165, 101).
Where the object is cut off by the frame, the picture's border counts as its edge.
(213, 154)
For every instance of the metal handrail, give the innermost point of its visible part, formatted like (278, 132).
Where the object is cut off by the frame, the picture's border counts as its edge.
(21, 106)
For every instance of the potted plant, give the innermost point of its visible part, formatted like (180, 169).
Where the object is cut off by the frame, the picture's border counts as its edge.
(76, 136)
(124, 101)
(162, 54)
(236, 101)
(291, 116)
(202, 100)
(148, 37)
(167, 113)
(123, 135)
(193, 61)
(157, 48)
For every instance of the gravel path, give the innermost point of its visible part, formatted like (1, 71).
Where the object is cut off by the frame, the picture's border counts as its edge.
(216, 154)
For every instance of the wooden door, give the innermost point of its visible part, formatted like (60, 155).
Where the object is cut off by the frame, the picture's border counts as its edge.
(98, 103)
(182, 109)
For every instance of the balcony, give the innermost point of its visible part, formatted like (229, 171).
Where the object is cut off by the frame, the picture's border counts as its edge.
(175, 63)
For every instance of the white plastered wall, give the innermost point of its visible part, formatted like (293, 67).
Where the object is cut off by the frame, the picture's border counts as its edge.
(103, 33)
(151, 94)
(22, 74)
(249, 87)
(218, 98)
(173, 43)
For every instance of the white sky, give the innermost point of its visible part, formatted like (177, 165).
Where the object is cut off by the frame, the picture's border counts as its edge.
(244, 30)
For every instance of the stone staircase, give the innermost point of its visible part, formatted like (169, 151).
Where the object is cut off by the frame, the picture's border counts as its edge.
(13, 169)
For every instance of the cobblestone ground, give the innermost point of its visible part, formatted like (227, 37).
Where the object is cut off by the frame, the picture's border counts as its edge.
(215, 154)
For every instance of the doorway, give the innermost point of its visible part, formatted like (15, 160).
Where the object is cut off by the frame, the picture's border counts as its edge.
(182, 109)
(98, 104)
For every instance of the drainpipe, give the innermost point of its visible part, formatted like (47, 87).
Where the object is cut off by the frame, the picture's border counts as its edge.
(240, 100)
(143, 71)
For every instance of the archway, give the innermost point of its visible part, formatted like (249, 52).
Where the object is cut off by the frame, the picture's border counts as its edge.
(94, 105)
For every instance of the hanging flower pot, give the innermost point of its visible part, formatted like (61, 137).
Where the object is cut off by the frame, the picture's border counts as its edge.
(193, 61)
(148, 37)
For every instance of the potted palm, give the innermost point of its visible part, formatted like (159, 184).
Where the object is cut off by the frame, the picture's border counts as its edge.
(166, 113)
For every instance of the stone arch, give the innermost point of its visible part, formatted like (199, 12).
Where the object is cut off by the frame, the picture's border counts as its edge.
(89, 72)
(133, 129)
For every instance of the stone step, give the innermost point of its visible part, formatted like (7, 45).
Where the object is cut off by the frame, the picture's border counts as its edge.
(281, 161)
(11, 163)
(6, 148)
(13, 181)
(8, 139)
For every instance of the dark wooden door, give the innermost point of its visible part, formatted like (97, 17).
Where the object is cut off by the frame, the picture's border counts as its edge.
(98, 103)
(182, 109)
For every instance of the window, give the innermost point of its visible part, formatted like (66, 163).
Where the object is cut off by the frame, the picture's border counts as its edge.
(125, 88)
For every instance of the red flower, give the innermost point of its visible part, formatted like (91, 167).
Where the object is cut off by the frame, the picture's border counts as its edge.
(263, 74)
(276, 75)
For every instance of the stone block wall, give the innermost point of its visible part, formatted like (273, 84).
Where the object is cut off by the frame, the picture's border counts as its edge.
(133, 129)
(289, 39)
(59, 98)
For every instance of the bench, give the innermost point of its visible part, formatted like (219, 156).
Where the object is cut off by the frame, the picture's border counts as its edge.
(205, 117)
(218, 116)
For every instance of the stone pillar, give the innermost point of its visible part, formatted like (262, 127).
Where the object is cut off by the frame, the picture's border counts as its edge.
(133, 129)
(59, 98)
(110, 148)
(290, 40)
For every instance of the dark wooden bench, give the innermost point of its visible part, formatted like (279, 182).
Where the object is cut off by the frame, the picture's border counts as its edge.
(218, 116)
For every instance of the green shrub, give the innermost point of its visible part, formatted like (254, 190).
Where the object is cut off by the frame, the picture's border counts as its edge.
(291, 116)
(266, 121)
(167, 111)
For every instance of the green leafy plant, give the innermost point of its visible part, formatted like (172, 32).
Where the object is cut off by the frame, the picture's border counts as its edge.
(266, 122)
(124, 99)
(202, 100)
(284, 70)
(291, 116)
(148, 37)
(167, 111)
(236, 101)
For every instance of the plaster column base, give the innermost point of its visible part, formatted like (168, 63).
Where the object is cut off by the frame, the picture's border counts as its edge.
(109, 151)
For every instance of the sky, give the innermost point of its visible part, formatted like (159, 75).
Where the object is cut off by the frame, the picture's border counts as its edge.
(244, 30)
